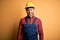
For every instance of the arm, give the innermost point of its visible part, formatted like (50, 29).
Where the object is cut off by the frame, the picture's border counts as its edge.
(40, 30)
(19, 35)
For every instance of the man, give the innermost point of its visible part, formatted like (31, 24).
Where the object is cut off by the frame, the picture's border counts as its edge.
(30, 26)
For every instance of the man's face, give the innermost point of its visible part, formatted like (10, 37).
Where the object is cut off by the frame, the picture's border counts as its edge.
(30, 12)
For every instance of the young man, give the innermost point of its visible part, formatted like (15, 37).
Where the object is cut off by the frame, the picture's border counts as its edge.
(30, 26)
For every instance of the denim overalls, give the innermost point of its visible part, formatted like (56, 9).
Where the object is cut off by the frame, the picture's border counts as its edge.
(30, 31)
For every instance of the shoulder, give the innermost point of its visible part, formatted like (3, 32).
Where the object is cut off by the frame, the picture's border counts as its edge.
(38, 20)
(22, 20)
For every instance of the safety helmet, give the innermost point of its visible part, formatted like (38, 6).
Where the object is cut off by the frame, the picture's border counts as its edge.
(29, 5)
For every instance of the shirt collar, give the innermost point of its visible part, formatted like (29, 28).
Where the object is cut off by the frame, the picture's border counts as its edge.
(31, 17)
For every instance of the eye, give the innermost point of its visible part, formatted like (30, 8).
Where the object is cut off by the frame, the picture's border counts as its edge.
(31, 9)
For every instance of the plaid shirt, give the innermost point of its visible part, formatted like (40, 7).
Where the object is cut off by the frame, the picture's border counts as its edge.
(30, 20)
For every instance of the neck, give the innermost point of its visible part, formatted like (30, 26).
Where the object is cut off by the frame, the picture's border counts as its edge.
(30, 17)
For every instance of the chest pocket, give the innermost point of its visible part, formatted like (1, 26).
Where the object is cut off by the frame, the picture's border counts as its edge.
(30, 31)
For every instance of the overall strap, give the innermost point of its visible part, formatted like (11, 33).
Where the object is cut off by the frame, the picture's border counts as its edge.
(34, 20)
(26, 20)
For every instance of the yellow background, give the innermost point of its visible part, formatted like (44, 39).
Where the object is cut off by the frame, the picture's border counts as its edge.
(12, 10)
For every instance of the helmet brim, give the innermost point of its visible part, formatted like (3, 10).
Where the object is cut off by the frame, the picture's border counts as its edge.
(30, 7)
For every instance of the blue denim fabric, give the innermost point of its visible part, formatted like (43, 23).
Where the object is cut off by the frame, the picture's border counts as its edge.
(30, 31)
